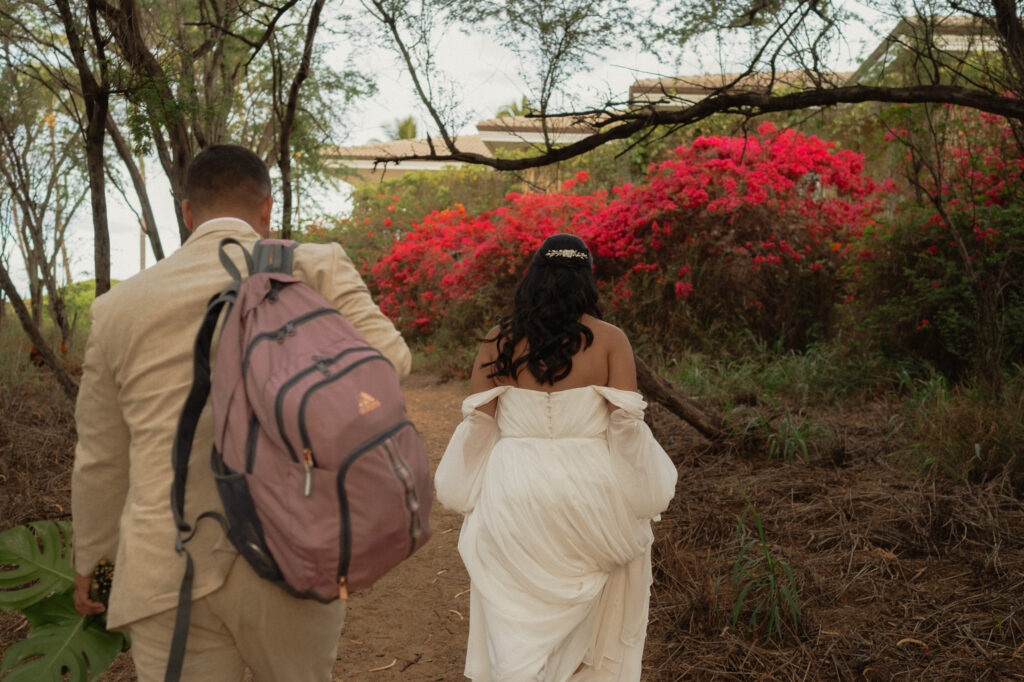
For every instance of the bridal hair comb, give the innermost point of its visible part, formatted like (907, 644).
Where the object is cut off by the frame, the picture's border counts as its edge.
(571, 254)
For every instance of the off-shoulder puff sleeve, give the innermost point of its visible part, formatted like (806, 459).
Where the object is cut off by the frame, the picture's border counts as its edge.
(459, 476)
(645, 471)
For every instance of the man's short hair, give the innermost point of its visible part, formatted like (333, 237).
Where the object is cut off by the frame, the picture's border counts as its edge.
(226, 176)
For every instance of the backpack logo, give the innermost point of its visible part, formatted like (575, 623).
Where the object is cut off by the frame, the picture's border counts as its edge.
(367, 403)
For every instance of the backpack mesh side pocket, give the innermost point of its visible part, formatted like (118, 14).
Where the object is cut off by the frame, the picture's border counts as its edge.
(244, 529)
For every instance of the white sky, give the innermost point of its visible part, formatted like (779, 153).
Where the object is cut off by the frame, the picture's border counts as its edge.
(485, 77)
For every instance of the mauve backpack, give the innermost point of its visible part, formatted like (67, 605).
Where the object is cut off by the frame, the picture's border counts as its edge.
(324, 480)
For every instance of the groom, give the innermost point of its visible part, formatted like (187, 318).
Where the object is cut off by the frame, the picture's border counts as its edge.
(137, 371)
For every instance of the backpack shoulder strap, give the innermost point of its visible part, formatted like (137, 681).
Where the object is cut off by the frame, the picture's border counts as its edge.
(183, 438)
(201, 381)
(274, 255)
(182, 449)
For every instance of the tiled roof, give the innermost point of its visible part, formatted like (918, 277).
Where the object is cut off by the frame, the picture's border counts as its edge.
(704, 84)
(375, 150)
(950, 33)
(555, 124)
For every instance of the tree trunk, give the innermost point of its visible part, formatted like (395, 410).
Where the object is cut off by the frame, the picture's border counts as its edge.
(67, 384)
(284, 160)
(56, 303)
(35, 291)
(660, 391)
(65, 261)
(139, 182)
(285, 165)
(97, 190)
(96, 95)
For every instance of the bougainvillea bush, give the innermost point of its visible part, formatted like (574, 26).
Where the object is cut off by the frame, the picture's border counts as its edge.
(454, 272)
(383, 211)
(947, 286)
(742, 232)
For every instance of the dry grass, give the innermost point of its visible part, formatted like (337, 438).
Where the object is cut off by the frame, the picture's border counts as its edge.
(37, 440)
(899, 577)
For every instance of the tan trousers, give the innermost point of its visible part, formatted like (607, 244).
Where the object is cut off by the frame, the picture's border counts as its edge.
(248, 622)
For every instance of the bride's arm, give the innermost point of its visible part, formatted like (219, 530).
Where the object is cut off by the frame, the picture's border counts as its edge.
(621, 365)
(644, 471)
(460, 474)
(478, 380)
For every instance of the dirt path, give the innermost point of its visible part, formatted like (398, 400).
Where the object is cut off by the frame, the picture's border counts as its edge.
(413, 624)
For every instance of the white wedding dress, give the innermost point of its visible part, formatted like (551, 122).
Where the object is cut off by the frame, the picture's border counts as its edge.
(558, 492)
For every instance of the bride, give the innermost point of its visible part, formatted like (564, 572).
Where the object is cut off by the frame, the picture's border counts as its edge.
(558, 478)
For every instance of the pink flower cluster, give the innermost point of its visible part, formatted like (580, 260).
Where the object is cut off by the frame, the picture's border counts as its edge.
(776, 205)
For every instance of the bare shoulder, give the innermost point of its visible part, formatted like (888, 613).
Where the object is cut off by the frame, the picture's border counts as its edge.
(608, 335)
(487, 351)
(619, 352)
(489, 345)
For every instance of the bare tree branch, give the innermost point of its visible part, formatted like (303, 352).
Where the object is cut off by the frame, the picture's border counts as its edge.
(391, 21)
(149, 220)
(617, 126)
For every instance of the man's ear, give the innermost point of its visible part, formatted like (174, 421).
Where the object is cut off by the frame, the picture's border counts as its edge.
(187, 215)
(265, 211)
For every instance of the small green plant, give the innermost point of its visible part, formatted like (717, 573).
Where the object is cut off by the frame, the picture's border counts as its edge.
(792, 437)
(37, 578)
(763, 590)
(781, 439)
(964, 431)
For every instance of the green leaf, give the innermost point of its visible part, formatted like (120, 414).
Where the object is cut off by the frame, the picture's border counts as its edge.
(61, 641)
(738, 604)
(39, 556)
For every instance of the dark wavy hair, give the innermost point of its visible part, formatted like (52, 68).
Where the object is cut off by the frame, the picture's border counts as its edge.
(556, 290)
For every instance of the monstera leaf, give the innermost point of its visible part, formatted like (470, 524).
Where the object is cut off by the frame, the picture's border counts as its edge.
(36, 578)
(39, 559)
(61, 641)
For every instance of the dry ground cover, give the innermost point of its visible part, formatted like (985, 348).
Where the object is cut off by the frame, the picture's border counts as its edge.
(898, 577)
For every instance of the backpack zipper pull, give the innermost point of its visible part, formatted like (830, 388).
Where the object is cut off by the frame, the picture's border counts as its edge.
(307, 464)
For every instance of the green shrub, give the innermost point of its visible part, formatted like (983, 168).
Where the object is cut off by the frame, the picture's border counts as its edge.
(965, 431)
(753, 373)
(944, 284)
(919, 301)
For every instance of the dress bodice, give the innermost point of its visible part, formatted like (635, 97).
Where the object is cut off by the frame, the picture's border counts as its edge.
(572, 413)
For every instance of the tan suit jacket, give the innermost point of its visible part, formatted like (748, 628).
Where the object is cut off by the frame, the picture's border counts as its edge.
(136, 374)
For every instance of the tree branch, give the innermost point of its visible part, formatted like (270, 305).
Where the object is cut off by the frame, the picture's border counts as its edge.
(392, 23)
(65, 381)
(617, 126)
